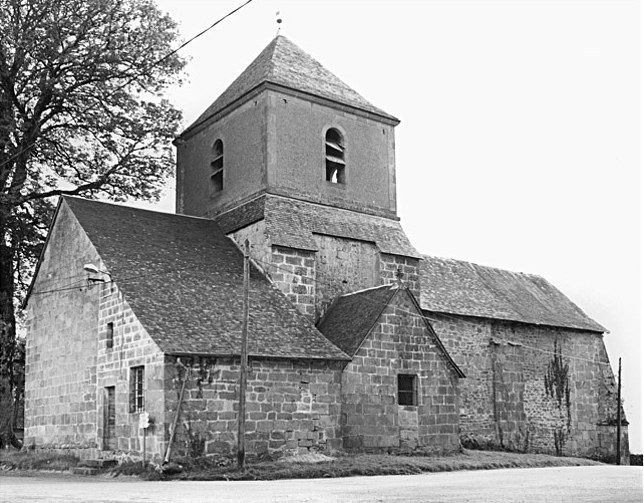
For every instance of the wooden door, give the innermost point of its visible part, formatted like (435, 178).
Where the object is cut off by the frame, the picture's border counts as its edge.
(110, 419)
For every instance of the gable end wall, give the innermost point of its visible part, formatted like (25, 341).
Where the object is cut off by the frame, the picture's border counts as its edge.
(62, 338)
(399, 343)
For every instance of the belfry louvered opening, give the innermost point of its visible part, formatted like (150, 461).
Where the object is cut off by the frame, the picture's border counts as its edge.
(334, 156)
(217, 166)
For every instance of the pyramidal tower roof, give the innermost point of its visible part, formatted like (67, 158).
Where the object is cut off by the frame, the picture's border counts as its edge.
(285, 64)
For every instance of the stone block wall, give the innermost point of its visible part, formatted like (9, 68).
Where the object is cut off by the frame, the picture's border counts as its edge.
(343, 266)
(293, 273)
(60, 380)
(532, 388)
(131, 347)
(68, 362)
(291, 406)
(312, 279)
(372, 419)
(391, 264)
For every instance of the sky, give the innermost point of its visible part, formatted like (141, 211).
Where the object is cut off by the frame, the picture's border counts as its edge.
(519, 141)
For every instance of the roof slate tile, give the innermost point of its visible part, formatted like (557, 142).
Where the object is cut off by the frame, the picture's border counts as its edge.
(284, 63)
(183, 279)
(458, 287)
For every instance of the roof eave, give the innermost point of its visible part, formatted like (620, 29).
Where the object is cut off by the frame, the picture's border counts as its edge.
(198, 125)
(599, 328)
(220, 354)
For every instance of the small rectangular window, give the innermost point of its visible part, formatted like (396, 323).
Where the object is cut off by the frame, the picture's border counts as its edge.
(136, 389)
(109, 341)
(407, 389)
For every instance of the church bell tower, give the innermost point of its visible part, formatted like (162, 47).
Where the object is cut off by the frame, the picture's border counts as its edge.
(294, 160)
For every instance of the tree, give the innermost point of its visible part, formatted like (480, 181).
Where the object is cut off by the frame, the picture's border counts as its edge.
(81, 112)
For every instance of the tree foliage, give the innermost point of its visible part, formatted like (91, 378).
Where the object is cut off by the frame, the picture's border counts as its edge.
(81, 112)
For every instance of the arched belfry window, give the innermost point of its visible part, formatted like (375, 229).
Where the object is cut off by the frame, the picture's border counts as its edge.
(217, 166)
(334, 156)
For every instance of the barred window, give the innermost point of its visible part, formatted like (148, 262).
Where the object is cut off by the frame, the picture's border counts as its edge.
(407, 389)
(136, 389)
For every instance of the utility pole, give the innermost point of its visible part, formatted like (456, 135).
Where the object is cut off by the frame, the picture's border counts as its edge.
(241, 416)
(619, 414)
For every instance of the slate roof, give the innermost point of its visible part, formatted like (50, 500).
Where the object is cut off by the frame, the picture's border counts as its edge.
(292, 223)
(284, 63)
(352, 316)
(183, 279)
(458, 287)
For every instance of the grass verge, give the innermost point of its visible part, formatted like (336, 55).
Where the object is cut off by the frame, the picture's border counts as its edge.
(211, 468)
(36, 460)
(344, 465)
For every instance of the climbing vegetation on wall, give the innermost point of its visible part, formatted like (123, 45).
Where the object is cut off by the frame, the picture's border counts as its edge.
(557, 385)
(556, 379)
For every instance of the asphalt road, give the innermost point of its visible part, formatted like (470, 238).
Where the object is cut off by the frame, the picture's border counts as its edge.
(605, 484)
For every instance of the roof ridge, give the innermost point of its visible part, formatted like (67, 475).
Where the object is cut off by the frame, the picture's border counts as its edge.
(271, 61)
(476, 264)
(284, 63)
(389, 285)
(126, 206)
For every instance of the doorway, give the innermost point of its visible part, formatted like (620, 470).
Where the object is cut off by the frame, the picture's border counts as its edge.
(110, 419)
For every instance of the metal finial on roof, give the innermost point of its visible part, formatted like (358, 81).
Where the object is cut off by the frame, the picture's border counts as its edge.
(278, 20)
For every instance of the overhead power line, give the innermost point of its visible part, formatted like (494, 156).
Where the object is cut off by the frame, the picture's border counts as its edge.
(140, 74)
(124, 280)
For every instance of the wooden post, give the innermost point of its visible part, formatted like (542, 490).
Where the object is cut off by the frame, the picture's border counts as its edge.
(241, 416)
(173, 429)
(619, 414)
(144, 422)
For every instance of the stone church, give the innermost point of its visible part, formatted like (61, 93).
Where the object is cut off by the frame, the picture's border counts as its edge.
(356, 340)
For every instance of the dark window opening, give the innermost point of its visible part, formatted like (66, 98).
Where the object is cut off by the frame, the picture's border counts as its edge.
(136, 389)
(109, 343)
(335, 165)
(407, 389)
(217, 166)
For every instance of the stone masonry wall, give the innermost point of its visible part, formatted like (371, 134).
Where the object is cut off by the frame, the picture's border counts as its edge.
(313, 279)
(293, 272)
(60, 377)
(400, 343)
(291, 406)
(68, 362)
(531, 388)
(391, 264)
(131, 347)
(343, 266)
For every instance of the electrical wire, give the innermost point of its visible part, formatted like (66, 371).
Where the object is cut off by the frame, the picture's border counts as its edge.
(138, 76)
(318, 281)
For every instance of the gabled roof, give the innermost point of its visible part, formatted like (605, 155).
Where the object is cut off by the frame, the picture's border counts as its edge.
(458, 287)
(183, 279)
(350, 318)
(285, 64)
